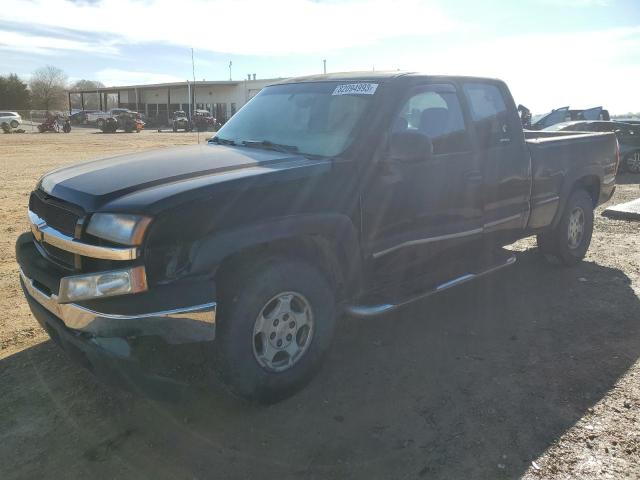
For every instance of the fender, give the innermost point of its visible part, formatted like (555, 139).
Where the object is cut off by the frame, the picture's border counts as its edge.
(569, 183)
(208, 252)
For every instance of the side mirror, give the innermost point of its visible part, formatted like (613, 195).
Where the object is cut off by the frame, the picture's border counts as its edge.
(410, 147)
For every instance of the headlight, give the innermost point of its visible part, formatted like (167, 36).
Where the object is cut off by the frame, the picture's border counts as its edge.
(119, 228)
(105, 284)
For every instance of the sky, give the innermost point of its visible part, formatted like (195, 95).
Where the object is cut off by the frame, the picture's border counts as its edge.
(551, 53)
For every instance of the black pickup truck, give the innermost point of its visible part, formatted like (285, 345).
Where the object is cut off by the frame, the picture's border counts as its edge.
(343, 193)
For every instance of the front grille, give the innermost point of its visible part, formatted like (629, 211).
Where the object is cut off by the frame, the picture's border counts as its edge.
(58, 214)
(64, 258)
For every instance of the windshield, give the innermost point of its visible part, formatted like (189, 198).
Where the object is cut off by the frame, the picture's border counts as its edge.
(311, 118)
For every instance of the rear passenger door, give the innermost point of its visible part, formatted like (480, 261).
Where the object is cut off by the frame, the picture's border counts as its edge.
(502, 156)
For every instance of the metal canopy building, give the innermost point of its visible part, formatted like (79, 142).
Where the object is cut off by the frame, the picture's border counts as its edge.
(159, 101)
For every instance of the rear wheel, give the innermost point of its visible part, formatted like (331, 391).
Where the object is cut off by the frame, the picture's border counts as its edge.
(275, 323)
(632, 162)
(570, 239)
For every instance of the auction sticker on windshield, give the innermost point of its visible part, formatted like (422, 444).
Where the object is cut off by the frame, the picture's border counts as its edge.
(356, 89)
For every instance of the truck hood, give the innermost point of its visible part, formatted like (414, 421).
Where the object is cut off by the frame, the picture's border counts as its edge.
(93, 184)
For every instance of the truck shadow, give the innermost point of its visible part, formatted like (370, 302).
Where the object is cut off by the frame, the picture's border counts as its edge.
(476, 383)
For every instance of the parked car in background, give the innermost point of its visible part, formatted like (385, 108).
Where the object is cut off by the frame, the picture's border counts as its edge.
(12, 119)
(354, 193)
(203, 120)
(80, 118)
(630, 121)
(628, 138)
(565, 114)
(98, 118)
(180, 121)
(127, 121)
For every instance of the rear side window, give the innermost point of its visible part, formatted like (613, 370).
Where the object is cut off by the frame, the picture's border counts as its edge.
(489, 115)
(437, 115)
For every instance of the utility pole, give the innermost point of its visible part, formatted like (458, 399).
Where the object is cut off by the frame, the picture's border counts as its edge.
(195, 95)
(324, 62)
(189, 95)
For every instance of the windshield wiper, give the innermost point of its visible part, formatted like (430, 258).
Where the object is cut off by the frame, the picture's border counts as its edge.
(221, 141)
(269, 145)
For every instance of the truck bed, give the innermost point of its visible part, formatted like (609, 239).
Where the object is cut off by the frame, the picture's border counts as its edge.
(556, 157)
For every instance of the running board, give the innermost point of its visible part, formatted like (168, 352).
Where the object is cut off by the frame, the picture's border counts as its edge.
(365, 311)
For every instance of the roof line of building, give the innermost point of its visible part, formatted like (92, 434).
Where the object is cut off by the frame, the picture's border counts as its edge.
(173, 84)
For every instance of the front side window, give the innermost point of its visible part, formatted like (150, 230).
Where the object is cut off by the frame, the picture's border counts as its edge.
(437, 115)
(489, 114)
(312, 118)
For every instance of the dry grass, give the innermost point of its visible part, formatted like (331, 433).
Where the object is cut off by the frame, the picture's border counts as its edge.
(24, 158)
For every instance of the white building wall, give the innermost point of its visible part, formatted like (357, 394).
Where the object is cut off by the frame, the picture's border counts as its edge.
(179, 95)
(155, 95)
(206, 94)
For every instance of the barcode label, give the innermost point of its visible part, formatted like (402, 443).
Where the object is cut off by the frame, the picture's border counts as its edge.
(356, 89)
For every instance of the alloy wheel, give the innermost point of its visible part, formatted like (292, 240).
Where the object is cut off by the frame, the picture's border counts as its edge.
(282, 331)
(576, 227)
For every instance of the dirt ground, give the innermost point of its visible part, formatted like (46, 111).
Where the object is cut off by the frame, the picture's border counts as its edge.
(531, 373)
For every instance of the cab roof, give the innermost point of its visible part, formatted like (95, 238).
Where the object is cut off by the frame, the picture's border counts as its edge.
(381, 77)
(347, 76)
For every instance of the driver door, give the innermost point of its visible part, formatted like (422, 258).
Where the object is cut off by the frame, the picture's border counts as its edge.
(416, 210)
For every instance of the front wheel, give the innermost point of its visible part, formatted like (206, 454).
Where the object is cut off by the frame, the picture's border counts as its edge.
(100, 123)
(571, 237)
(632, 162)
(275, 323)
(15, 124)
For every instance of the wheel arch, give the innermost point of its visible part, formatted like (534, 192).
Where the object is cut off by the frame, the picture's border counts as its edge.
(327, 241)
(589, 182)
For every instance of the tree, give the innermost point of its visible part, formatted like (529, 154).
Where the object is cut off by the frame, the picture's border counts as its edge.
(91, 100)
(87, 85)
(48, 88)
(14, 94)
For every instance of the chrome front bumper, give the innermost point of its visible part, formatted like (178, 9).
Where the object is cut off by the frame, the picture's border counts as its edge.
(182, 325)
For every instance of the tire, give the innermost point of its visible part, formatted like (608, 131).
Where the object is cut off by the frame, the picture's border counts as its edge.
(248, 313)
(14, 124)
(632, 162)
(100, 123)
(570, 239)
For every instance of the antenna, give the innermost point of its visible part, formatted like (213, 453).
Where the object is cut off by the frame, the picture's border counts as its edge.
(193, 70)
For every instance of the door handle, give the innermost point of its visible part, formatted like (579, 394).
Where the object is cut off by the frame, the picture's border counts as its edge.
(473, 177)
